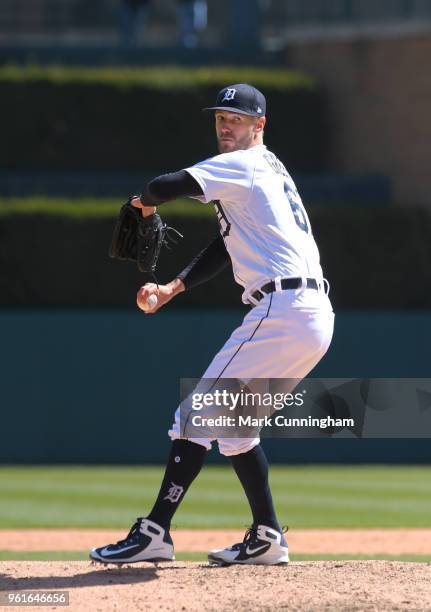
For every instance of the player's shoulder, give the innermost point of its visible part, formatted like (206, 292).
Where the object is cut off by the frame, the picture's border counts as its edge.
(233, 157)
(245, 155)
(241, 159)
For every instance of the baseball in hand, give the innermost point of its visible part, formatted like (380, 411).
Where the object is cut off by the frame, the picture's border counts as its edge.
(151, 302)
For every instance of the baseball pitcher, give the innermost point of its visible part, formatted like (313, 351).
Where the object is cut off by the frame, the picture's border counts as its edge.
(266, 237)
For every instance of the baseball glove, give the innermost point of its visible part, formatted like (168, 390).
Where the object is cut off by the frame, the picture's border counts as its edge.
(140, 239)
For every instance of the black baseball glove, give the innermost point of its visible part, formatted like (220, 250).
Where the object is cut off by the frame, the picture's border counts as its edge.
(138, 238)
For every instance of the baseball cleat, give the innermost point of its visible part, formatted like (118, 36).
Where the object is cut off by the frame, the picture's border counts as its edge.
(146, 541)
(261, 546)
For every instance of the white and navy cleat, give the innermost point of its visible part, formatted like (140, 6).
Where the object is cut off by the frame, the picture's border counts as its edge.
(262, 545)
(146, 541)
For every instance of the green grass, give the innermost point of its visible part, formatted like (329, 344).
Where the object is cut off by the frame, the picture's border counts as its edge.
(72, 555)
(160, 77)
(305, 496)
(93, 207)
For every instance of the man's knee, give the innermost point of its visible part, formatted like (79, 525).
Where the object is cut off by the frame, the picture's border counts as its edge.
(236, 446)
(176, 433)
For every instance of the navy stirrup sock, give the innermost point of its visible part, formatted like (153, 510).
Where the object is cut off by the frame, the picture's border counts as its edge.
(184, 464)
(252, 471)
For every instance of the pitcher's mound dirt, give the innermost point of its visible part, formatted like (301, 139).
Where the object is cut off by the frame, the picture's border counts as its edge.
(312, 586)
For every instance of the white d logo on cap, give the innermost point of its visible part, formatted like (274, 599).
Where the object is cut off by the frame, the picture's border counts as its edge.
(229, 95)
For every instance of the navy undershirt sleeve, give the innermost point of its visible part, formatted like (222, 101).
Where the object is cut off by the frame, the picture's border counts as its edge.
(212, 260)
(170, 186)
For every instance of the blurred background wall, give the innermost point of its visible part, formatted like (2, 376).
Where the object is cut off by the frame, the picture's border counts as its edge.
(95, 98)
(378, 98)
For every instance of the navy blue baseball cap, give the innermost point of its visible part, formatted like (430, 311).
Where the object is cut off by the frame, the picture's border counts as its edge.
(240, 98)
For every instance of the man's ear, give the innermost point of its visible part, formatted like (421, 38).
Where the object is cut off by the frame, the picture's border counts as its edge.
(260, 124)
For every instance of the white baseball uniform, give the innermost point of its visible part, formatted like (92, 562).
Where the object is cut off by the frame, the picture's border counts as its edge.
(268, 236)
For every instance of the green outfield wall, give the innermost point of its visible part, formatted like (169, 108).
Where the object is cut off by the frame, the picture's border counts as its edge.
(120, 119)
(101, 386)
(367, 255)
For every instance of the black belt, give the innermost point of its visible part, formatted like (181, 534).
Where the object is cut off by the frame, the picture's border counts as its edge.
(286, 283)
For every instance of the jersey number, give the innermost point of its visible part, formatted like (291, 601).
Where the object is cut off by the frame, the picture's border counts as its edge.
(224, 222)
(297, 209)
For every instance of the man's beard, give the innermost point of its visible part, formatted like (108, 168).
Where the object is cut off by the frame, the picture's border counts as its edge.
(233, 144)
(226, 147)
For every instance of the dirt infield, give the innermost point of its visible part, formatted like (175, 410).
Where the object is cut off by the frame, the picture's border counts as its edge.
(305, 541)
(307, 585)
(313, 586)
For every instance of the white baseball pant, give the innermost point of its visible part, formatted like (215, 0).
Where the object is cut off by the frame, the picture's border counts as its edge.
(284, 336)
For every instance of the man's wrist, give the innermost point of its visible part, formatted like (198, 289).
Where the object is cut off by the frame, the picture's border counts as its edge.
(147, 209)
(176, 286)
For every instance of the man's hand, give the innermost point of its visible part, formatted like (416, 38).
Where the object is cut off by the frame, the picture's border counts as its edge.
(164, 294)
(146, 210)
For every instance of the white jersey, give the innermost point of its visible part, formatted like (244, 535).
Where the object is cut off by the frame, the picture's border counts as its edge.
(263, 222)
